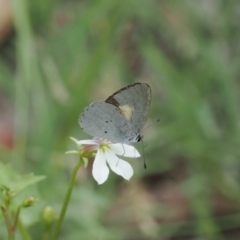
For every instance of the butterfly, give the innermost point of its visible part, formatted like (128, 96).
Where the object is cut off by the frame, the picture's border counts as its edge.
(120, 118)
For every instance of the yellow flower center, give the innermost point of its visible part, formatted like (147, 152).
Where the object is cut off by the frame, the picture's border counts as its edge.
(103, 147)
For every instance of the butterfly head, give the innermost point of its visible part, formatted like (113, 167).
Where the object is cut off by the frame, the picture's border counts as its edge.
(139, 138)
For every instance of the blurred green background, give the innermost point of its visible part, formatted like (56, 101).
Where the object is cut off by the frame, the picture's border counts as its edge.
(56, 57)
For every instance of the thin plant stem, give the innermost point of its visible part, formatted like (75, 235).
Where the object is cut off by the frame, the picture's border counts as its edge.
(11, 233)
(66, 200)
(23, 231)
(16, 219)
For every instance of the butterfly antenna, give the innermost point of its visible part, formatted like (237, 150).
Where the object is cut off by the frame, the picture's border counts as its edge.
(144, 162)
(158, 120)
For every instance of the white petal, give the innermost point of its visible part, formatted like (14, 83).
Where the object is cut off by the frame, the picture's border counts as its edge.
(119, 166)
(100, 170)
(124, 150)
(88, 142)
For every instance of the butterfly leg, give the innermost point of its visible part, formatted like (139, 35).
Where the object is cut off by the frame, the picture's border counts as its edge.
(122, 154)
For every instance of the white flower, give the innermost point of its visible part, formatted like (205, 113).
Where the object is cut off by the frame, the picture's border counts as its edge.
(106, 154)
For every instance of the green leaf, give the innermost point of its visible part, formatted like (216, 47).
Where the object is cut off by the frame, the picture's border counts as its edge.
(10, 179)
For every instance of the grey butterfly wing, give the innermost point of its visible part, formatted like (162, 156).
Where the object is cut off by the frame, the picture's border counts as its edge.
(134, 102)
(104, 120)
(121, 117)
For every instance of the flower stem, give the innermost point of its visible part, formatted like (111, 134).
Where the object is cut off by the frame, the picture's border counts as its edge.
(16, 219)
(66, 200)
(11, 234)
(23, 231)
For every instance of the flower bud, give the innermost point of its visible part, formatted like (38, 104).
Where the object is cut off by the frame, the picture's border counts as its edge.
(48, 215)
(28, 202)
